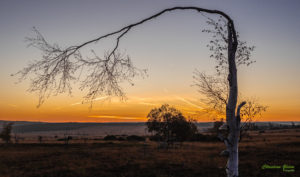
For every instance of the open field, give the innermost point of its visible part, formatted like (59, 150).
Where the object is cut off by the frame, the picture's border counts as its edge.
(122, 158)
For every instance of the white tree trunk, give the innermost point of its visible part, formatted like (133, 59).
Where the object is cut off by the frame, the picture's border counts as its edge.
(232, 120)
(232, 168)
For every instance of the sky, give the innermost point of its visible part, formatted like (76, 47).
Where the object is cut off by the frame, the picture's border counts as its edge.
(170, 47)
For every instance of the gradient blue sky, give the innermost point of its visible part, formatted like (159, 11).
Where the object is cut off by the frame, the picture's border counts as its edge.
(170, 47)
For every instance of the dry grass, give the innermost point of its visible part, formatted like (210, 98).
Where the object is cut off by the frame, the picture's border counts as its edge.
(105, 159)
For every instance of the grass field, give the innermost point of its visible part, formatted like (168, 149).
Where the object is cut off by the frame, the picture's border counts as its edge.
(144, 159)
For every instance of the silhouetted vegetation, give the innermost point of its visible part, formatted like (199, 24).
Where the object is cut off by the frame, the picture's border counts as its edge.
(5, 134)
(262, 126)
(66, 139)
(216, 127)
(156, 137)
(200, 137)
(135, 138)
(110, 138)
(123, 138)
(169, 124)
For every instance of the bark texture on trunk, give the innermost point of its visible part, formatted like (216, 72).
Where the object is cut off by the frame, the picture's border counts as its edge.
(232, 119)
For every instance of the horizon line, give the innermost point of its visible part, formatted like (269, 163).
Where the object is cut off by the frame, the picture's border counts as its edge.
(119, 122)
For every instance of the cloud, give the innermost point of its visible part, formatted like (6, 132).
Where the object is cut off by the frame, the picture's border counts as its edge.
(114, 117)
(148, 104)
(12, 105)
(140, 98)
(100, 98)
(96, 99)
(76, 103)
(188, 102)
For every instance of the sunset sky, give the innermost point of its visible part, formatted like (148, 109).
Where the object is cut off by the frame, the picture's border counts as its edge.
(171, 47)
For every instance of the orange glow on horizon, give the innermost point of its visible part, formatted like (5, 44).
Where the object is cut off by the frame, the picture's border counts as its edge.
(135, 109)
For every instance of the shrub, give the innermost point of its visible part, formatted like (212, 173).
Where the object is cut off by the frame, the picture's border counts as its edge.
(110, 138)
(135, 138)
(155, 138)
(121, 139)
(66, 139)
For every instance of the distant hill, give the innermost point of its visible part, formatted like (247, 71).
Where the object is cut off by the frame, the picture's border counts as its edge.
(97, 129)
(72, 128)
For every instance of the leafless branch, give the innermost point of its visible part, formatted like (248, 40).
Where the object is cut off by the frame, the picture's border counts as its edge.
(54, 73)
(252, 110)
(219, 45)
(215, 90)
(239, 109)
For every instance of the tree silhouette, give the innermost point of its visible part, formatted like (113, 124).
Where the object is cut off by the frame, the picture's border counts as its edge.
(5, 134)
(215, 90)
(55, 71)
(215, 87)
(169, 124)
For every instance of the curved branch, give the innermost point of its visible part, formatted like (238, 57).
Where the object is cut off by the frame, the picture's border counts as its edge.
(128, 27)
(57, 63)
(238, 116)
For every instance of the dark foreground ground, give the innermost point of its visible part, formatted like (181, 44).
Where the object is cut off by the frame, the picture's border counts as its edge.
(140, 159)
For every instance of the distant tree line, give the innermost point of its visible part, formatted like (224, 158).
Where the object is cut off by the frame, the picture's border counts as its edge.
(166, 124)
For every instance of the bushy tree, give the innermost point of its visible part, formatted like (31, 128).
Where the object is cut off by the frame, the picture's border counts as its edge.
(169, 123)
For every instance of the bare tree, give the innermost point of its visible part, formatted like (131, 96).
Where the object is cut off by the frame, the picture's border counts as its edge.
(215, 88)
(55, 71)
(250, 112)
